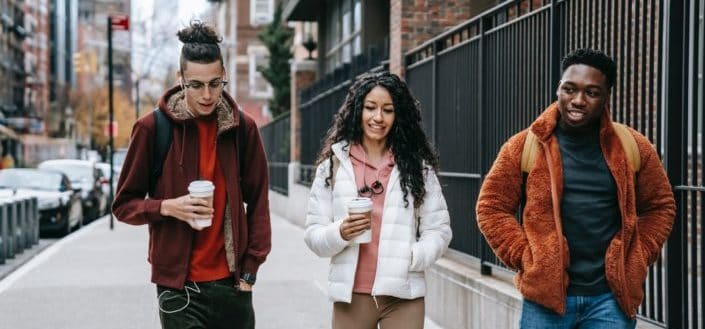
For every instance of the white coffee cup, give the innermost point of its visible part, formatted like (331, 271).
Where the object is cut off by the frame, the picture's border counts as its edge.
(361, 206)
(202, 189)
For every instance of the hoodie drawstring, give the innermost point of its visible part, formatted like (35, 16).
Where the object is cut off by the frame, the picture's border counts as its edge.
(183, 142)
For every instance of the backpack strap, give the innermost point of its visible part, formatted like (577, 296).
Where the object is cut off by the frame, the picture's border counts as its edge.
(162, 142)
(336, 165)
(163, 138)
(631, 150)
(528, 154)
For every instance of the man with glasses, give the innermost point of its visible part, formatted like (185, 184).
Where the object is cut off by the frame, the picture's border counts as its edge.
(204, 274)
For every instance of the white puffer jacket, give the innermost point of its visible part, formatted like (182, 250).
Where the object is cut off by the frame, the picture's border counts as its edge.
(402, 258)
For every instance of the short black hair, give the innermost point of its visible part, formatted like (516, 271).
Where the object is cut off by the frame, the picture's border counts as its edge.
(593, 58)
(200, 44)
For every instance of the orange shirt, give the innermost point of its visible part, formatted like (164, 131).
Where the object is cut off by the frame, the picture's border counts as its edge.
(208, 260)
(368, 173)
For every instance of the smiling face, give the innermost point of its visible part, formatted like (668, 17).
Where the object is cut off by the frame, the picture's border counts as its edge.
(582, 97)
(203, 86)
(377, 116)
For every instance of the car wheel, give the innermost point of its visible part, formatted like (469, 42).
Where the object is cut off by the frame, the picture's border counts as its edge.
(78, 211)
(66, 229)
(90, 214)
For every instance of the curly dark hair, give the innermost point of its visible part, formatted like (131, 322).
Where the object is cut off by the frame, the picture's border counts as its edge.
(593, 58)
(406, 138)
(200, 44)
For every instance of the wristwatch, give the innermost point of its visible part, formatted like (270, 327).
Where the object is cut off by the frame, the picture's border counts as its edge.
(249, 278)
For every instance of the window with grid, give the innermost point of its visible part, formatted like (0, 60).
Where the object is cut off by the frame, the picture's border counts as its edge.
(259, 87)
(343, 40)
(261, 12)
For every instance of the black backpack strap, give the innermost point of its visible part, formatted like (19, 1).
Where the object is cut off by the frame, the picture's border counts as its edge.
(163, 138)
(162, 141)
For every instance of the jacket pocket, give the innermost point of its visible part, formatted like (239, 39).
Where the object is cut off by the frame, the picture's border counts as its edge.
(636, 268)
(410, 268)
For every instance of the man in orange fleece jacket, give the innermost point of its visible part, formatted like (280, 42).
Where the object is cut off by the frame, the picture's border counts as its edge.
(591, 225)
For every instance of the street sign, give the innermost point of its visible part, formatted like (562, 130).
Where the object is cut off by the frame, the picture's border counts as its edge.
(120, 22)
(107, 131)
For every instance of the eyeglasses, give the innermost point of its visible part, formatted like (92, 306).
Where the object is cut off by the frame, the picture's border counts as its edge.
(368, 191)
(215, 85)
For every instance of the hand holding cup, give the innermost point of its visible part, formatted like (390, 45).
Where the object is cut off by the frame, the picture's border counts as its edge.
(358, 224)
(196, 211)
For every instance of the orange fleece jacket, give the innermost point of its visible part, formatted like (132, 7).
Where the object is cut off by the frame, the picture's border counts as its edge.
(538, 250)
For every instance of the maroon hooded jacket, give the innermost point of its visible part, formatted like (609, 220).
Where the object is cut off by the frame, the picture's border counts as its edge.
(247, 233)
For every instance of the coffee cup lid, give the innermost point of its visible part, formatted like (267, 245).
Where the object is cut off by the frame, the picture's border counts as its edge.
(360, 202)
(201, 186)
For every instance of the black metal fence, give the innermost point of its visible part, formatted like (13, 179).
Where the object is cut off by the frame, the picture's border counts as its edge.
(277, 141)
(490, 77)
(322, 100)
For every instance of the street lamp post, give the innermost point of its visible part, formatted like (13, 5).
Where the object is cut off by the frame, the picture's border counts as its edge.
(118, 22)
(137, 98)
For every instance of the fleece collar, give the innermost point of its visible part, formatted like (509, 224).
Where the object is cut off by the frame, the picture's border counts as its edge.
(174, 105)
(546, 123)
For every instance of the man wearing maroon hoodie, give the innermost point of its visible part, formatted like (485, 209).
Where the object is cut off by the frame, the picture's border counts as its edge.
(204, 276)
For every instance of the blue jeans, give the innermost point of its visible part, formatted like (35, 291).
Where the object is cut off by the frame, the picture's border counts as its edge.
(584, 312)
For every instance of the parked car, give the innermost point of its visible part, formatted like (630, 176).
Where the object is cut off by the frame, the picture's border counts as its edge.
(83, 174)
(119, 159)
(105, 173)
(60, 208)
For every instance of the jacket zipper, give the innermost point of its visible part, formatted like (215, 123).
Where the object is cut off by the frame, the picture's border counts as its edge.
(622, 251)
(556, 216)
(381, 226)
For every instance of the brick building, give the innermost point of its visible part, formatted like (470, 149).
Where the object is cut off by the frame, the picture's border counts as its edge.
(12, 70)
(240, 22)
(36, 91)
(353, 36)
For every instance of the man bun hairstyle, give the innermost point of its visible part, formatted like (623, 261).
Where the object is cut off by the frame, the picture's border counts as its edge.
(593, 58)
(200, 44)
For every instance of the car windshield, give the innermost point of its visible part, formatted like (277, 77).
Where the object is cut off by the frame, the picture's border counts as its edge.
(75, 172)
(30, 179)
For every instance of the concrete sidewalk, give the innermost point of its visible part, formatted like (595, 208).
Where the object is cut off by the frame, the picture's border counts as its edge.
(97, 278)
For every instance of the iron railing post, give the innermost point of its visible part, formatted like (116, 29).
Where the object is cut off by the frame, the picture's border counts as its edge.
(485, 268)
(674, 102)
(556, 40)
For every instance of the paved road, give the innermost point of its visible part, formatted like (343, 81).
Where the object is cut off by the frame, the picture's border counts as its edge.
(97, 278)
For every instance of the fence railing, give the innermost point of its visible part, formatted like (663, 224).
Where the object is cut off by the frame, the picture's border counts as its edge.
(318, 107)
(277, 139)
(373, 58)
(19, 226)
(486, 79)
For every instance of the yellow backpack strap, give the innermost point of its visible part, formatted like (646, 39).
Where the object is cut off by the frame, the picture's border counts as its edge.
(631, 150)
(336, 165)
(528, 154)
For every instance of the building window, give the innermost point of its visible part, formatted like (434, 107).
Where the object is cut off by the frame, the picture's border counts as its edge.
(343, 40)
(259, 87)
(261, 12)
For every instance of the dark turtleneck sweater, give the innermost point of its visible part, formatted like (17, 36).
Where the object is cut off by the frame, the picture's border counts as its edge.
(589, 210)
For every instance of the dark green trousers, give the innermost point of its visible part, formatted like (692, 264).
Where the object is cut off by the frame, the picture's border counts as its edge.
(206, 305)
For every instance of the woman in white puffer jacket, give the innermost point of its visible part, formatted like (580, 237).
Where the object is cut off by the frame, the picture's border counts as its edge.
(376, 148)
